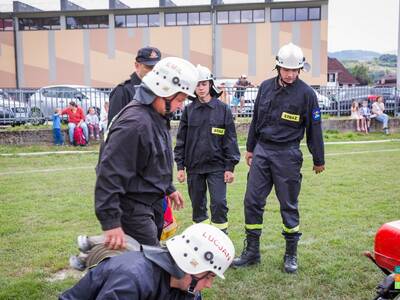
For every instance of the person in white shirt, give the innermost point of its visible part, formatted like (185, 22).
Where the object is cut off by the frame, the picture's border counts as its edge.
(378, 109)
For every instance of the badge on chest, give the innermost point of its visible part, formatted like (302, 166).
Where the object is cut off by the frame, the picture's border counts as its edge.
(217, 131)
(290, 117)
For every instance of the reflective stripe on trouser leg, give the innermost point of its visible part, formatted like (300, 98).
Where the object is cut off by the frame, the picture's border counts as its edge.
(259, 185)
(290, 230)
(218, 206)
(206, 221)
(285, 166)
(197, 192)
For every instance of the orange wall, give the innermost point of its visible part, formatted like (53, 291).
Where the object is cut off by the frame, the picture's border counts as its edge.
(7, 60)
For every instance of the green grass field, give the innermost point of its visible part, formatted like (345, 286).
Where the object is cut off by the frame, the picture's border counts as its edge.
(46, 201)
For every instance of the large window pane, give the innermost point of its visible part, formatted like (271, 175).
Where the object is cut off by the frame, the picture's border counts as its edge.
(103, 21)
(194, 18)
(181, 19)
(120, 21)
(314, 13)
(205, 17)
(170, 19)
(142, 21)
(246, 16)
(222, 17)
(1, 25)
(131, 21)
(258, 15)
(288, 14)
(234, 17)
(276, 14)
(154, 20)
(8, 24)
(301, 14)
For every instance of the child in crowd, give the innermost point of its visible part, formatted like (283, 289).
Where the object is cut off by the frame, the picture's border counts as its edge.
(92, 120)
(355, 115)
(365, 112)
(104, 116)
(58, 138)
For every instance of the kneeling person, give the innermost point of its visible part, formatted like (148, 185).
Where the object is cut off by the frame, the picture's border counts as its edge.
(188, 264)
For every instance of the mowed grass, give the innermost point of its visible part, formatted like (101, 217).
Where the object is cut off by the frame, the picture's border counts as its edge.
(46, 201)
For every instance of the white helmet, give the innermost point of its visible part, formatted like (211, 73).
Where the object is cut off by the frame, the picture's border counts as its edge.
(205, 75)
(200, 248)
(172, 75)
(290, 56)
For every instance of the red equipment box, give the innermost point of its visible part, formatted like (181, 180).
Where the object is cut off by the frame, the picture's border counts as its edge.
(387, 245)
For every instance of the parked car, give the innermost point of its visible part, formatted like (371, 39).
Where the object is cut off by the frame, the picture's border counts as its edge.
(7, 117)
(45, 100)
(391, 98)
(323, 101)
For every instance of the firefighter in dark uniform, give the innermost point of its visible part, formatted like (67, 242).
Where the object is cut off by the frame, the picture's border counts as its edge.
(134, 172)
(206, 146)
(285, 107)
(179, 272)
(123, 93)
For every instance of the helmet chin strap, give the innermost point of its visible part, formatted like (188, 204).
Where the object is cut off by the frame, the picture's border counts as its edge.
(168, 114)
(194, 282)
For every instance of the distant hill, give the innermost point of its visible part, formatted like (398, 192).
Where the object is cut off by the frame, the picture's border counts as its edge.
(360, 55)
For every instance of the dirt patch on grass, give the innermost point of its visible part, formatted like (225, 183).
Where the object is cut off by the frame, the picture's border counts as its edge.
(64, 274)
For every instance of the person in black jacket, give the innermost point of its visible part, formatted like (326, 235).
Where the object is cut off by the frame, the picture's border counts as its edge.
(123, 93)
(206, 146)
(134, 172)
(179, 272)
(285, 108)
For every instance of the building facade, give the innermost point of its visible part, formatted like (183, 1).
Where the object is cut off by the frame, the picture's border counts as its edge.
(97, 47)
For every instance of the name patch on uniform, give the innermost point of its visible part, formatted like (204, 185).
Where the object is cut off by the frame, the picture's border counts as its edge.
(290, 117)
(316, 114)
(216, 130)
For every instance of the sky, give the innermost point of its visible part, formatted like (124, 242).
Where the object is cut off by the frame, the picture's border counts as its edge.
(352, 24)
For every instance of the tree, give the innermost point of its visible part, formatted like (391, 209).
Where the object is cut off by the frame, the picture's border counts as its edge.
(361, 73)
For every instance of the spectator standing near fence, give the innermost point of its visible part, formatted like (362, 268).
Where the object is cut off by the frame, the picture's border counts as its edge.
(76, 117)
(241, 85)
(378, 109)
(124, 92)
(57, 134)
(285, 108)
(134, 172)
(92, 121)
(206, 148)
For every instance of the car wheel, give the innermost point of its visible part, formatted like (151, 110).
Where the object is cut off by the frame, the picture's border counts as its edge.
(37, 117)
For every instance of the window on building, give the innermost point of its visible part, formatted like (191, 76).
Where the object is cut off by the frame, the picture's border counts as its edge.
(276, 14)
(288, 14)
(39, 23)
(246, 16)
(142, 21)
(331, 77)
(194, 18)
(154, 20)
(301, 14)
(314, 13)
(131, 21)
(120, 21)
(205, 18)
(87, 22)
(234, 17)
(258, 15)
(170, 19)
(295, 14)
(181, 19)
(222, 17)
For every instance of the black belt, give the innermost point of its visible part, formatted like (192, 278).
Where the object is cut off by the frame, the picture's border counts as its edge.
(279, 145)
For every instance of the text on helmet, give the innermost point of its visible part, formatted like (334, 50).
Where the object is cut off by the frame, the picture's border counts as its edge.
(218, 245)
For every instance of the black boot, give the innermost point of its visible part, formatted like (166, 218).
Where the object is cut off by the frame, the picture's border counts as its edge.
(290, 258)
(251, 251)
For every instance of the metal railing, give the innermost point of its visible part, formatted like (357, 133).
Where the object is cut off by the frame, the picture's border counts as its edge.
(19, 106)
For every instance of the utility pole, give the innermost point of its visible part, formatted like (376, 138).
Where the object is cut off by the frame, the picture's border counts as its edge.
(398, 55)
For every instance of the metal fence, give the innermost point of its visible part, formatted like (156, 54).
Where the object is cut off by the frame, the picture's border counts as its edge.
(36, 106)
